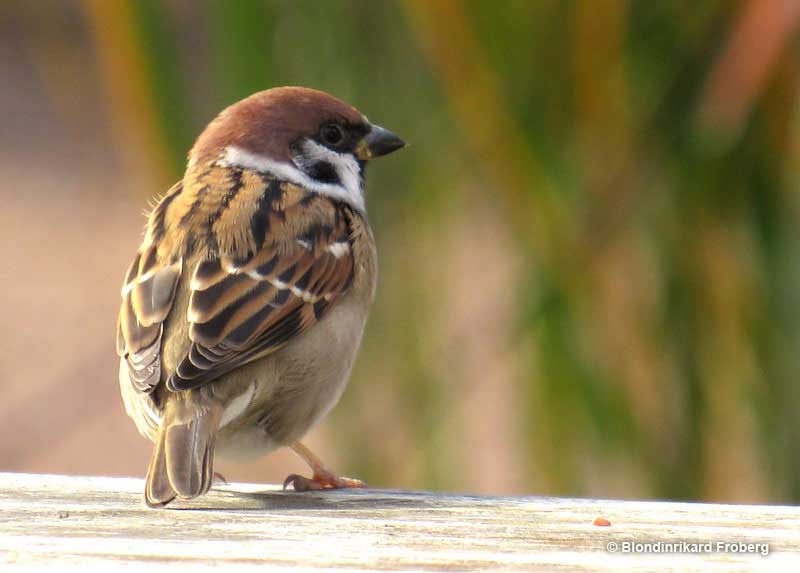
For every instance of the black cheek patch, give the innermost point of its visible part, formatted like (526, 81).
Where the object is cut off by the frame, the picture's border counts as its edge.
(323, 172)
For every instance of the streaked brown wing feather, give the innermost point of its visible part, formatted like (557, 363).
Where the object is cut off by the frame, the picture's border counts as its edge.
(241, 309)
(147, 297)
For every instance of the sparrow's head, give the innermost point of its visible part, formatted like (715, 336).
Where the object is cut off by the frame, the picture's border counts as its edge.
(300, 135)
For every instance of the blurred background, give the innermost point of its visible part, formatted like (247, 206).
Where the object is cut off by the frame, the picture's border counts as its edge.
(590, 254)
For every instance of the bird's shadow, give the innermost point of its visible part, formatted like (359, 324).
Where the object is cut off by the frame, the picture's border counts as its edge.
(229, 499)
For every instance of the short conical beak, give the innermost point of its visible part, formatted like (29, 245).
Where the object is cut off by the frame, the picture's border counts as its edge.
(378, 142)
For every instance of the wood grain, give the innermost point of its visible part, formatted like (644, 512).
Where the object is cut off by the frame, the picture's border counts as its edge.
(85, 523)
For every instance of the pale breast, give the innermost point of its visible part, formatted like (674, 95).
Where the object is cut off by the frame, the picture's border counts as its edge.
(295, 387)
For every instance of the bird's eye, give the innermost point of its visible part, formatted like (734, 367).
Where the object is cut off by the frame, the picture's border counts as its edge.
(331, 134)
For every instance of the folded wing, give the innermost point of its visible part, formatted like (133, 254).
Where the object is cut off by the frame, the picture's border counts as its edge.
(241, 309)
(147, 297)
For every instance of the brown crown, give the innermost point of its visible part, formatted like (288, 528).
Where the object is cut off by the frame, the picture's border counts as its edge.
(268, 122)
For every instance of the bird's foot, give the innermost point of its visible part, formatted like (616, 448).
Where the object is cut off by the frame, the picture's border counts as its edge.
(219, 478)
(323, 478)
(320, 481)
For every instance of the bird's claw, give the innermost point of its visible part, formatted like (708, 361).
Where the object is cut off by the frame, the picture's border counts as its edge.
(320, 482)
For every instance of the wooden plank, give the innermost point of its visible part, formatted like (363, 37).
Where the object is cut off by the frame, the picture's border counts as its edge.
(85, 523)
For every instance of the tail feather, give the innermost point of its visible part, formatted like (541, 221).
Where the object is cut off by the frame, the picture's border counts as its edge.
(158, 491)
(189, 451)
(183, 459)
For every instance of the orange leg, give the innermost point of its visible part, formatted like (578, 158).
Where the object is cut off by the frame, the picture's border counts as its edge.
(323, 478)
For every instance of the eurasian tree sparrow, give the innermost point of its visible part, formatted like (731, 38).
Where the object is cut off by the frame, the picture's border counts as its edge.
(243, 310)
